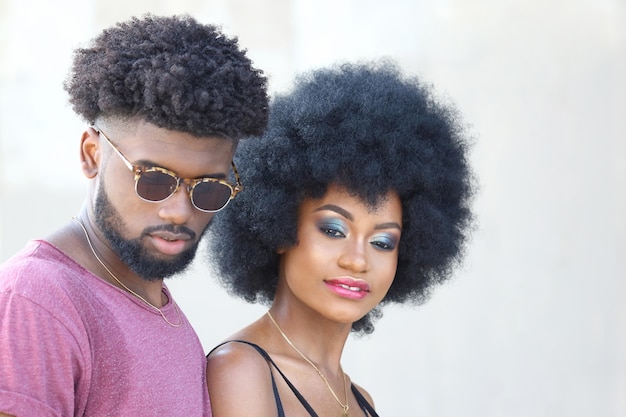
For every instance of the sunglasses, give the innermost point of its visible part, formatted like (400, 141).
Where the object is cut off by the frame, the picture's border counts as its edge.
(156, 184)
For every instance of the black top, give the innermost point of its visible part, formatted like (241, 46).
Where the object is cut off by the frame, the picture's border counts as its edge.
(365, 406)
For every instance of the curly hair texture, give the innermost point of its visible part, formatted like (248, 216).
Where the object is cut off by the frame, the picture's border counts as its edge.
(368, 129)
(173, 72)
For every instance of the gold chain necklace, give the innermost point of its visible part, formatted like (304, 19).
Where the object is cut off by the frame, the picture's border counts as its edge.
(345, 406)
(124, 285)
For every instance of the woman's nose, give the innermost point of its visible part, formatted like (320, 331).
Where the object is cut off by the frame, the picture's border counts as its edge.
(354, 257)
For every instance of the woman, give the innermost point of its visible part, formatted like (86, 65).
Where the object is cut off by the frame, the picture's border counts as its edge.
(357, 196)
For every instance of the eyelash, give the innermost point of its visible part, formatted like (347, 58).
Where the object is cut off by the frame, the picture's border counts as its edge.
(334, 233)
(384, 244)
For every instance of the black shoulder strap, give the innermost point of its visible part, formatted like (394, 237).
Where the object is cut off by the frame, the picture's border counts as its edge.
(365, 406)
(269, 360)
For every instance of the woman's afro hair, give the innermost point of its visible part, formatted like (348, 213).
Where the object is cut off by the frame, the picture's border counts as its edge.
(365, 128)
(173, 72)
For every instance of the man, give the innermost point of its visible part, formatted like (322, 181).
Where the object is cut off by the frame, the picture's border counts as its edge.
(87, 326)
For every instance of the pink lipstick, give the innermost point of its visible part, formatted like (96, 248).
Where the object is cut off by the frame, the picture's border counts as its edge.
(347, 287)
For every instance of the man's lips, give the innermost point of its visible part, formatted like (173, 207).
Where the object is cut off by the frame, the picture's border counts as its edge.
(169, 236)
(170, 243)
(170, 232)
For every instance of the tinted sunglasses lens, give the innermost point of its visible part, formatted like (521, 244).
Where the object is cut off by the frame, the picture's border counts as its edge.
(155, 185)
(211, 195)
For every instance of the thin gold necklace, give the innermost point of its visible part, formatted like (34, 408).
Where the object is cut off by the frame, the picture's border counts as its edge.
(124, 285)
(345, 406)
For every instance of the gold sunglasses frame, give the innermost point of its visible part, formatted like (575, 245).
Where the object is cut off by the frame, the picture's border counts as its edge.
(189, 182)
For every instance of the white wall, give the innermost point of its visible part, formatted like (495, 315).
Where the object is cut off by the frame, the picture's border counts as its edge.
(535, 323)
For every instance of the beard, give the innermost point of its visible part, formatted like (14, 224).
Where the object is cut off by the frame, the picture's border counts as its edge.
(131, 251)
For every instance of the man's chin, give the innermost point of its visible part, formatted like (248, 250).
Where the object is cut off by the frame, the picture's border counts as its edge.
(157, 271)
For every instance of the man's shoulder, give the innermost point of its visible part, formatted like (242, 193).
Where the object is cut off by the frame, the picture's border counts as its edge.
(39, 266)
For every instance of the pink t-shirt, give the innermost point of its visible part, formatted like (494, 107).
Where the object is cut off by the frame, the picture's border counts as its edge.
(71, 344)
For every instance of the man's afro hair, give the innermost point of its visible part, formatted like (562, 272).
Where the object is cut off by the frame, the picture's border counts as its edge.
(173, 72)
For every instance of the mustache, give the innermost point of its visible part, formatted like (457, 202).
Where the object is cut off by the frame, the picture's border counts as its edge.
(172, 228)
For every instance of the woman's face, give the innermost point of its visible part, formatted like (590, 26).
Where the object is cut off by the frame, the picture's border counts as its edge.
(346, 256)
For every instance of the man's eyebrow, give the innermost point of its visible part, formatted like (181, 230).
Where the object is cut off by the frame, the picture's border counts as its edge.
(146, 163)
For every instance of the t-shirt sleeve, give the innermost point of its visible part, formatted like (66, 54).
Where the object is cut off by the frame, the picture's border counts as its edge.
(40, 359)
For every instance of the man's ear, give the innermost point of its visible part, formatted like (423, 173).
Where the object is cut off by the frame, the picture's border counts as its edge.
(90, 152)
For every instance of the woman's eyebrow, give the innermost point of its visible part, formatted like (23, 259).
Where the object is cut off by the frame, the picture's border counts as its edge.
(345, 213)
(332, 207)
(388, 225)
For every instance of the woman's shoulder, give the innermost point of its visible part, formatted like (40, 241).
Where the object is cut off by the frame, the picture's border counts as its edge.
(237, 350)
(245, 346)
(237, 353)
(364, 394)
(236, 370)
